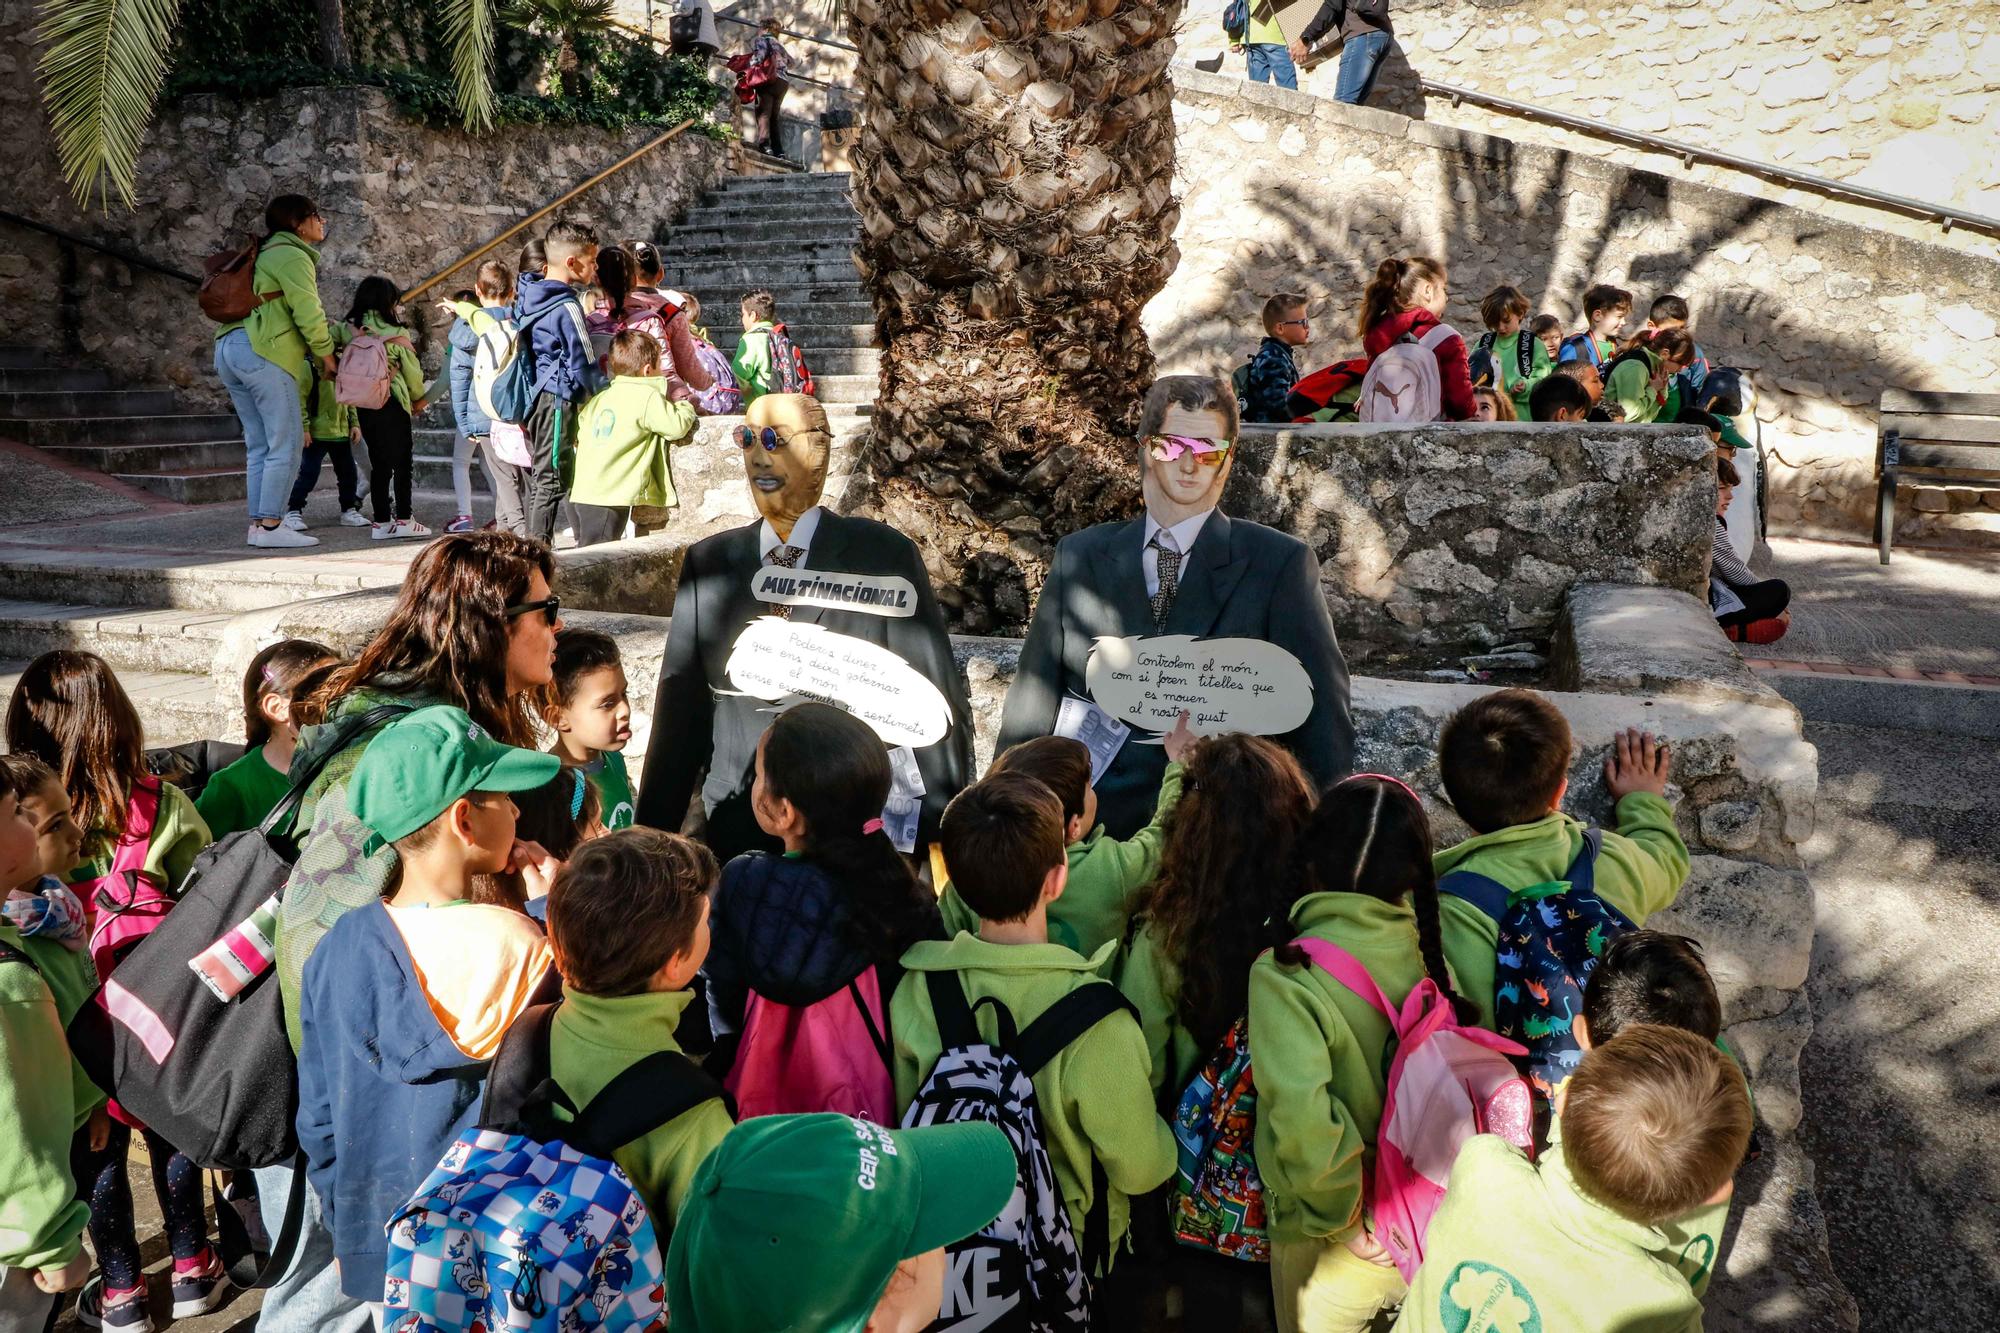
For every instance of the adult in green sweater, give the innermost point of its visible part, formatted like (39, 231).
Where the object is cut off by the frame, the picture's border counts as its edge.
(1505, 761)
(1641, 379)
(1227, 869)
(267, 362)
(1574, 1242)
(628, 919)
(1321, 1052)
(1104, 872)
(1003, 844)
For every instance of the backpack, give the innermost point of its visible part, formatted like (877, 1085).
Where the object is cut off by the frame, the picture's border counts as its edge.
(1026, 1270)
(496, 348)
(1328, 393)
(1239, 380)
(526, 1222)
(510, 395)
(788, 365)
(1218, 1201)
(190, 765)
(725, 397)
(1403, 384)
(127, 903)
(1551, 936)
(829, 1056)
(228, 291)
(366, 372)
(1724, 392)
(1236, 20)
(1485, 367)
(1447, 1082)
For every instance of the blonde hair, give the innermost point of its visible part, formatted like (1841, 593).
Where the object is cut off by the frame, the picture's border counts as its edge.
(1395, 288)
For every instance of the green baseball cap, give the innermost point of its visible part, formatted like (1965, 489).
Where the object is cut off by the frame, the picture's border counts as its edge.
(423, 761)
(798, 1221)
(1730, 435)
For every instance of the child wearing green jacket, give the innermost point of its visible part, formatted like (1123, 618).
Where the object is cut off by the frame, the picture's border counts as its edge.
(624, 434)
(1642, 379)
(1505, 761)
(628, 920)
(1003, 844)
(387, 429)
(1575, 1241)
(1104, 872)
(1321, 1052)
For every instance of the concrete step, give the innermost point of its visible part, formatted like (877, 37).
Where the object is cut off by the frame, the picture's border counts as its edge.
(722, 211)
(124, 459)
(816, 336)
(138, 638)
(19, 403)
(726, 272)
(798, 185)
(798, 307)
(832, 389)
(191, 485)
(240, 579)
(718, 245)
(764, 237)
(175, 429)
(51, 379)
(176, 707)
(15, 356)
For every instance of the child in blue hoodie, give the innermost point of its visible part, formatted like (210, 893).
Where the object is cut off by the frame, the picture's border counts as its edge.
(478, 315)
(403, 1005)
(566, 370)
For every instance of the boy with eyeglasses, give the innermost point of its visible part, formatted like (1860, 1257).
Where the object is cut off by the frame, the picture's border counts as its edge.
(1267, 388)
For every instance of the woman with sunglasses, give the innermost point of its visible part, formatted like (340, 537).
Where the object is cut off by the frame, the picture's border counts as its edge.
(475, 626)
(269, 362)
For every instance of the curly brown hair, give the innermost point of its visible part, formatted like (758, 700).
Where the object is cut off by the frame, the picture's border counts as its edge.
(1229, 866)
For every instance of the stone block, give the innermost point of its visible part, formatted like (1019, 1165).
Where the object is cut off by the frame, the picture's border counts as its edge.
(1754, 923)
(1623, 639)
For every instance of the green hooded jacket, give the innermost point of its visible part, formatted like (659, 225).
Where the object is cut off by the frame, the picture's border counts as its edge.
(41, 1219)
(287, 330)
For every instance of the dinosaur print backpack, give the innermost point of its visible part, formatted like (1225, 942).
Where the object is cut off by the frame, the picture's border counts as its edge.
(1551, 936)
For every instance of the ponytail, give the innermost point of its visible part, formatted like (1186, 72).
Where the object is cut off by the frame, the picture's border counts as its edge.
(1395, 288)
(1430, 944)
(614, 275)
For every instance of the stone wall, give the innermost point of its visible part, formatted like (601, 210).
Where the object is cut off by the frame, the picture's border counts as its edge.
(1285, 190)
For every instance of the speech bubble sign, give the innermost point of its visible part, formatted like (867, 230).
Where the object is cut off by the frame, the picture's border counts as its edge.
(1242, 685)
(783, 662)
(869, 594)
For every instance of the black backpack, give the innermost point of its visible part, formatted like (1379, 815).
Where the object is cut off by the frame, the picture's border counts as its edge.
(1485, 367)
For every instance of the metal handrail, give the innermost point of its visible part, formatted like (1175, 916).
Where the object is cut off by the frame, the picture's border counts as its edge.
(544, 211)
(663, 41)
(1943, 214)
(123, 256)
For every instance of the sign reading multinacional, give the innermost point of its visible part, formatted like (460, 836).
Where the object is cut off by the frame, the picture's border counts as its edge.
(870, 594)
(786, 662)
(1244, 685)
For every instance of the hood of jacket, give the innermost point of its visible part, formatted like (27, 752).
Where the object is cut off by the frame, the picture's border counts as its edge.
(643, 301)
(321, 740)
(785, 922)
(386, 1018)
(1416, 323)
(536, 293)
(462, 338)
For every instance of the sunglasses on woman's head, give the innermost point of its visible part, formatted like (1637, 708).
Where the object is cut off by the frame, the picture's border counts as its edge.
(551, 607)
(1209, 453)
(768, 437)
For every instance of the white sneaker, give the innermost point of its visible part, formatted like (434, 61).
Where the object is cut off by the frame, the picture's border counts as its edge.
(382, 532)
(409, 527)
(354, 518)
(294, 520)
(270, 538)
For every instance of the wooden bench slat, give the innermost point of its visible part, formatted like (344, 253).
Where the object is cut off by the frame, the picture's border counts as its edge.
(1951, 404)
(1952, 458)
(1945, 430)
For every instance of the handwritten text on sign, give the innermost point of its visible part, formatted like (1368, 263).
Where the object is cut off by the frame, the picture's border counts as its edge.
(787, 662)
(1244, 685)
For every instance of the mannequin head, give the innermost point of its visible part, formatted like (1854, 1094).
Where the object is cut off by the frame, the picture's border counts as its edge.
(787, 470)
(1192, 407)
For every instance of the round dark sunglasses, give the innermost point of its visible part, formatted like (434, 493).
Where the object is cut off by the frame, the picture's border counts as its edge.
(768, 437)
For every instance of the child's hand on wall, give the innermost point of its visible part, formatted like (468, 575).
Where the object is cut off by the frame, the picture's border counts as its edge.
(1638, 762)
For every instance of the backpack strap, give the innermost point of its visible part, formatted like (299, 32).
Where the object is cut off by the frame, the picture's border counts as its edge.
(1437, 336)
(1487, 894)
(656, 1091)
(288, 805)
(1345, 968)
(952, 1011)
(1064, 1021)
(1582, 872)
(875, 1034)
(1524, 353)
(142, 812)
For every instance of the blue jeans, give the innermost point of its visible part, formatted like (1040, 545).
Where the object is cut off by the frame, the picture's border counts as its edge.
(341, 454)
(266, 399)
(1360, 58)
(307, 1298)
(1271, 62)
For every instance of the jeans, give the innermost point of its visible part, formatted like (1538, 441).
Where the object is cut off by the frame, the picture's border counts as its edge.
(390, 444)
(1360, 58)
(307, 1298)
(508, 482)
(341, 454)
(266, 399)
(1271, 62)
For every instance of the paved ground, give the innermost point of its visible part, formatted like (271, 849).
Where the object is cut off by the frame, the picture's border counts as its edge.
(1927, 611)
(39, 493)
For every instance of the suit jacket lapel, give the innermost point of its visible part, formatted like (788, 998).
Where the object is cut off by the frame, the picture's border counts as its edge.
(829, 548)
(1128, 579)
(1209, 576)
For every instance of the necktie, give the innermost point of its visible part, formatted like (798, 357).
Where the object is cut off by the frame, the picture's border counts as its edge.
(785, 557)
(1170, 573)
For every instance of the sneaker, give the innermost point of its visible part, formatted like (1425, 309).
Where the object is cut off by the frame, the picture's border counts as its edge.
(199, 1290)
(409, 527)
(354, 518)
(294, 520)
(280, 536)
(122, 1311)
(463, 523)
(382, 532)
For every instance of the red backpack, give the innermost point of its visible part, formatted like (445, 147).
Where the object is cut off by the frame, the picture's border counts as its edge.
(127, 903)
(829, 1056)
(789, 373)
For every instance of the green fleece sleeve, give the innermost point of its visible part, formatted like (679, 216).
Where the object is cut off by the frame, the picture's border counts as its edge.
(671, 421)
(752, 364)
(662, 1165)
(1137, 859)
(411, 369)
(1630, 387)
(41, 1219)
(1152, 982)
(1309, 1148)
(1644, 863)
(1111, 1100)
(178, 837)
(298, 284)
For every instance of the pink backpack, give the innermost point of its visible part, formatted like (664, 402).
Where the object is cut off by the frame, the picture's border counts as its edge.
(829, 1056)
(128, 903)
(1447, 1083)
(366, 373)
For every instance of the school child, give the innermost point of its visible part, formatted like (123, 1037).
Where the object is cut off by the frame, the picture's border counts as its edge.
(533, 261)
(566, 370)
(41, 1217)
(764, 361)
(1560, 397)
(1605, 310)
(480, 320)
(1225, 871)
(1508, 357)
(242, 794)
(405, 1001)
(1640, 379)
(558, 817)
(386, 429)
(1003, 844)
(331, 434)
(1550, 330)
(1321, 1052)
(1104, 872)
(836, 912)
(69, 711)
(623, 470)
(669, 317)
(1749, 609)
(586, 704)
(1671, 312)
(1273, 370)
(1505, 761)
(822, 1222)
(723, 397)
(628, 919)
(1406, 299)
(1577, 1239)
(1494, 405)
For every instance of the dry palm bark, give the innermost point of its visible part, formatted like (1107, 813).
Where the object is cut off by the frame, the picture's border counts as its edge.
(1015, 184)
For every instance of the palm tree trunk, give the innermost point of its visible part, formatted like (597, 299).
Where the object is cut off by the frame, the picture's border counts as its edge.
(566, 68)
(332, 33)
(1015, 182)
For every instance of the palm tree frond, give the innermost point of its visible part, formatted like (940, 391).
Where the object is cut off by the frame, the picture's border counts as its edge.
(101, 70)
(468, 28)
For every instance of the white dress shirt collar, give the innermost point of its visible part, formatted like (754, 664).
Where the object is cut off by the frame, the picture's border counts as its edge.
(768, 539)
